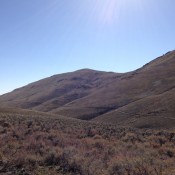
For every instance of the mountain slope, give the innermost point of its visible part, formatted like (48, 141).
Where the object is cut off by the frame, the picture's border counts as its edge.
(153, 111)
(145, 96)
(56, 91)
(153, 79)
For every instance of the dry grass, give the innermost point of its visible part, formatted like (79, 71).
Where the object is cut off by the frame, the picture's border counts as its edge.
(38, 145)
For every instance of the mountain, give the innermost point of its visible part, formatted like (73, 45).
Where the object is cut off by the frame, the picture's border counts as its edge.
(141, 98)
(54, 93)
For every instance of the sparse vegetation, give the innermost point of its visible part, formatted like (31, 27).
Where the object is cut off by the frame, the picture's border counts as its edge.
(35, 145)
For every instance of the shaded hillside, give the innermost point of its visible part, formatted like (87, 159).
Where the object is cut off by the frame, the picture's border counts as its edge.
(156, 111)
(145, 96)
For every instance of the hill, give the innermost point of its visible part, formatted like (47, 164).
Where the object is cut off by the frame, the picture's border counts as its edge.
(141, 98)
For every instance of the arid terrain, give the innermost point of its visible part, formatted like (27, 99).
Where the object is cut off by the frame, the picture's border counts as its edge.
(90, 122)
(142, 98)
(38, 144)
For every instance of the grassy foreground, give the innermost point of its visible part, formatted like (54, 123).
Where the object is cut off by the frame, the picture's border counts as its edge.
(37, 145)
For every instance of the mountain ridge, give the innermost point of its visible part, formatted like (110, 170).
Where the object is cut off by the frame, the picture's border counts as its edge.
(97, 95)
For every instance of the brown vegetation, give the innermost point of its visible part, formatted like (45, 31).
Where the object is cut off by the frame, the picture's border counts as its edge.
(38, 145)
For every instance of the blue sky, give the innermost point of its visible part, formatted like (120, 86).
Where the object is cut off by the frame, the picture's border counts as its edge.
(39, 38)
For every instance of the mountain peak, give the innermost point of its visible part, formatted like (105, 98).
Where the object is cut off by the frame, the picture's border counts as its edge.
(86, 70)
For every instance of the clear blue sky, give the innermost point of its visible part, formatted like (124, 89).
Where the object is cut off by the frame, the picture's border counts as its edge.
(39, 38)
